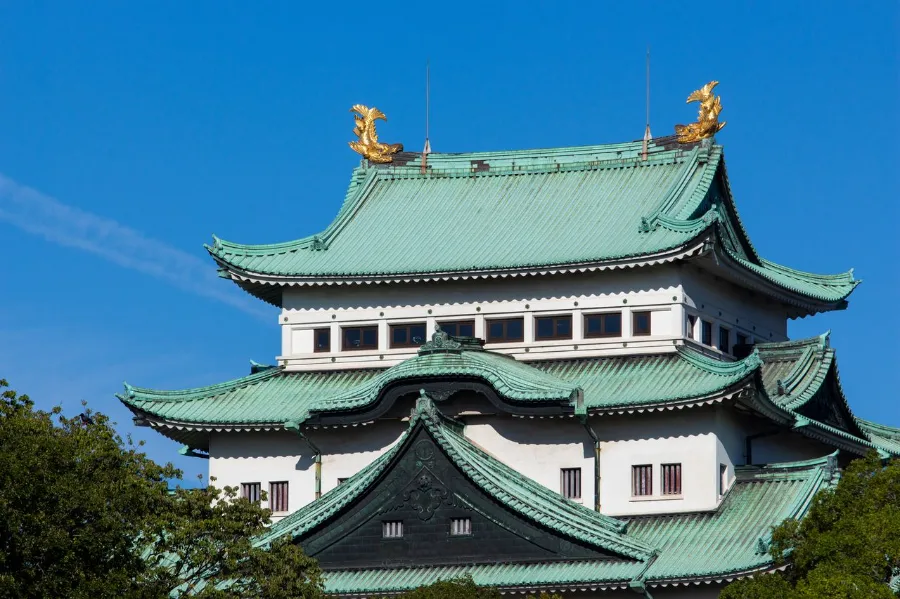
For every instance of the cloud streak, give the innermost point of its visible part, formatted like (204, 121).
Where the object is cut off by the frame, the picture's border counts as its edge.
(41, 215)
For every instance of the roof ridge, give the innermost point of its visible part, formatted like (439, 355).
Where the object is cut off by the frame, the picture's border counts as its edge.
(721, 367)
(132, 392)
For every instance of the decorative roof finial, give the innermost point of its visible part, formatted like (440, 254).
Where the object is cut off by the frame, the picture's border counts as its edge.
(707, 123)
(368, 144)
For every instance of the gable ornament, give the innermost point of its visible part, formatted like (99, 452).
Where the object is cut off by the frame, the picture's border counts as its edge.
(707, 123)
(368, 145)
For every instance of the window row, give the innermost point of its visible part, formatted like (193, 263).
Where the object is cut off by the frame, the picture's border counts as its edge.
(498, 330)
(278, 494)
(724, 337)
(459, 527)
(642, 480)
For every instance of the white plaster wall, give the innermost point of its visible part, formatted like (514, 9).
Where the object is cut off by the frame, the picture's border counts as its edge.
(273, 456)
(538, 448)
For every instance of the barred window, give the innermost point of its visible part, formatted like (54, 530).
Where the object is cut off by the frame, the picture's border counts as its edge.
(460, 526)
(278, 496)
(671, 479)
(251, 491)
(642, 480)
(392, 529)
(570, 483)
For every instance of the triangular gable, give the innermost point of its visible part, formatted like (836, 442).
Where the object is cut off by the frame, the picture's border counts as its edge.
(433, 476)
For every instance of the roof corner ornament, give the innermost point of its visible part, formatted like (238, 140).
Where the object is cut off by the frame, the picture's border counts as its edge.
(707, 123)
(368, 144)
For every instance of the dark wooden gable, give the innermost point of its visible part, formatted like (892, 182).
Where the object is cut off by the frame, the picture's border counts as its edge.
(425, 491)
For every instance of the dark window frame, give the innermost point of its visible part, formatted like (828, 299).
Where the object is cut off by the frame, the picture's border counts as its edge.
(408, 326)
(570, 483)
(247, 491)
(504, 338)
(634, 320)
(671, 480)
(706, 332)
(642, 480)
(603, 316)
(554, 318)
(316, 333)
(727, 345)
(347, 347)
(278, 497)
(458, 324)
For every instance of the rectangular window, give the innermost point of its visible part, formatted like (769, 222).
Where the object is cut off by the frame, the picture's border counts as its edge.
(251, 491)
(671, 479)
(460, 526)
(640, 324)
(553, 327)
(570, 483)
(706, 333)
(408, 335)
(691, 323)
(642, 480)
(505, 330)
(357, 338)
(392, 529)
(322, 340)
(741, 339)
(278, 496)
(724, 338)
(603, 325)
(459, 328)
(723, 479)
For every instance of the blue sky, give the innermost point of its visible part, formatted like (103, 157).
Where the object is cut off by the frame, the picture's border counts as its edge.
(131, 132)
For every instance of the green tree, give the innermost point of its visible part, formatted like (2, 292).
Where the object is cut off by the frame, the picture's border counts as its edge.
(461, 588)
(84, 513)
(847, 546)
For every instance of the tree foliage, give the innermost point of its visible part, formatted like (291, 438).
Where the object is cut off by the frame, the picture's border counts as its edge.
(847, 546)
(461, 588)
(84, 513)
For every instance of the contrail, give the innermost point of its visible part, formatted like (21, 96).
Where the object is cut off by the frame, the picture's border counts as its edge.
(38, 214)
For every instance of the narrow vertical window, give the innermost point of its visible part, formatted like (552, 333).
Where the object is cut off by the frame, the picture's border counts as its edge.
(251, 491)
(706, 333)
(392, 529)
(642, 480)
(640, 324)
(278, 496)
(723, 479)
(460, 527)
(671, 479)
(570, 483)
(690, 324)
(322, 340)
(724, 338)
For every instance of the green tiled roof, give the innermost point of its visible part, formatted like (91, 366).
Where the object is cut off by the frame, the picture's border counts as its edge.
(520, 494)
(886, 438)
(534, 209)
(687, 547)
(272, 396)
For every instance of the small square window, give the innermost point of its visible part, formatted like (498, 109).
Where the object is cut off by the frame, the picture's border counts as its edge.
(724, 338)
(603, 325)
(359, 338)
(553, 327)
(706, 333)
(640, 324)
(671, 479)
(322, 340)
(460, 527)
(408, 335)
(505, 330)
(459, 328)
(278, 496)
(392, 529)
(642, 480)
(251, 491)
(570, 483)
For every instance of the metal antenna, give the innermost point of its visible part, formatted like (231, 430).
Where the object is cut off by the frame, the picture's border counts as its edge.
(427, 149)
(647, 135)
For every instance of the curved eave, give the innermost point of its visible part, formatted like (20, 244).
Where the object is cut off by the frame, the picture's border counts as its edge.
(268, 287)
